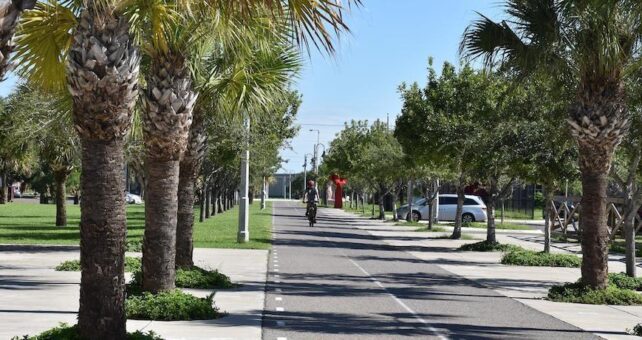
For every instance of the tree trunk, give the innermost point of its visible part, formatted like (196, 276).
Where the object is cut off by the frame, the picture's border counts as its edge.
(629, 237)
(201, 215)
(102, 240)
(208, 195)
(61, 197)
(3, 191)
(161, 211)
(430, 214)
(491, 235)
(460, 204)
(104, 89)
(594, 230)
(548, 205)
(213, 202)
(382, 210)
(185, 216)
(9, 15)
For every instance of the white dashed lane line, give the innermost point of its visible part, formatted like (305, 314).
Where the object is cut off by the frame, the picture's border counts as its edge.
(278, 298)
(280, 309)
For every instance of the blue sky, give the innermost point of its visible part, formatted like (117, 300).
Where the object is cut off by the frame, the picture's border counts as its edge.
(390, 43)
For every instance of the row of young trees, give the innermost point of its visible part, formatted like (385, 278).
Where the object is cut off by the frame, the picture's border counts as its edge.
(107, 54)
(558, 94)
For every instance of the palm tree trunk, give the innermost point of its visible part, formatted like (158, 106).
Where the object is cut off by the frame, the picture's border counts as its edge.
(102, 240)
(60, 177)
(9, 14)
(102, 78)
(159, 243)
(185, 221)
(594, 231)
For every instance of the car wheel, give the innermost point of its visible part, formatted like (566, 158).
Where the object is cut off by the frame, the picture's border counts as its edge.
(467, 218)
(416, 216)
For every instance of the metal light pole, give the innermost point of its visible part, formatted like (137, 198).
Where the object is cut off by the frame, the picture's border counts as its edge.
(315, 160)
(244, 231)
(290, 185)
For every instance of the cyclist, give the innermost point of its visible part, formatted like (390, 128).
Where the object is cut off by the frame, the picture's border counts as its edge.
(311, 197)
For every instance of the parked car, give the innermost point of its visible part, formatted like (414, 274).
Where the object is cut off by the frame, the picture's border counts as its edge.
(16, 192)
(474, 209)
(133, 199)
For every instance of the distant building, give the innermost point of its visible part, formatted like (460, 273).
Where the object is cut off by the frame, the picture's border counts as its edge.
(280, 185)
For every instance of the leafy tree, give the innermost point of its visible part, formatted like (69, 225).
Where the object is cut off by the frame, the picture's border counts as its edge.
(590, 46)
(439, 122)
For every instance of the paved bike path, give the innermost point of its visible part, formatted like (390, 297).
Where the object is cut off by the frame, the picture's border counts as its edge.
(334, 281)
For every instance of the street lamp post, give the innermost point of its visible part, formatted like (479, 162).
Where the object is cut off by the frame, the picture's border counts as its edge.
(244, 231)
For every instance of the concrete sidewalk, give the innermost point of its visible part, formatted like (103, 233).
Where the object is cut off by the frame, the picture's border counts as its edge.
(528, 285)
(34, 297)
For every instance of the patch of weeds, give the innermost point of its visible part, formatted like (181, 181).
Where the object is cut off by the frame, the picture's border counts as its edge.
(66, 332)
(132, 264)
(621, 280)
(487, 246)
(524, 257)
(578, 292)
(196, 277)
(448, 237)
(433, 230)
(170, 306)
(637, 330)
(135, 245)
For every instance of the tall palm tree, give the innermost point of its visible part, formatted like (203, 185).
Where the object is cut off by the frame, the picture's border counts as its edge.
(243, 78)
(10, 12)
(589, 46)
(101, 73)
(88, 45)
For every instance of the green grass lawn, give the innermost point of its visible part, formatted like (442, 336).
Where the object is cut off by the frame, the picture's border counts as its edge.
(22, 223)
(368, 210)
(519, 215)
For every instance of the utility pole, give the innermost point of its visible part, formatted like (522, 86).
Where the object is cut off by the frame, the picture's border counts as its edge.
(315, 160)
(305, 172)
(244, 231)
(290, 185)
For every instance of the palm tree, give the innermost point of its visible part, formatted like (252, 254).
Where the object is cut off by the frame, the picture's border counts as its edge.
(94, 40)
(247, 77)
(10, 12)
(589, 46)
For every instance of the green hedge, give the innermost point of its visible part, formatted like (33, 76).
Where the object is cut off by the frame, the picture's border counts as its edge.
(578, 292)
(66, 332)
(523, 257)
(132, 264)
(196, 277)
(170, 306)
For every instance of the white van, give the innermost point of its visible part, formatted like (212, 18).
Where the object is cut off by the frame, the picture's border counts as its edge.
(474, 209)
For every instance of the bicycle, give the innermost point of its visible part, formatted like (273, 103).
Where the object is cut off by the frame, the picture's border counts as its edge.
(312, 213)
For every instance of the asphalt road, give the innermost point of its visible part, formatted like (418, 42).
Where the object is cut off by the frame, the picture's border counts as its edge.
(334, 281)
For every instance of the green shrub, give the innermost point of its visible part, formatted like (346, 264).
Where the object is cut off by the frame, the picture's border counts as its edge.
(170, 306)
(620, 247)
(621, 280)
(487, 246)
(197, 277)
(135, 245)
(637, 330)
(66, 332)
(132, 264)
(69, 266)
(578, 292)
(523, 257)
